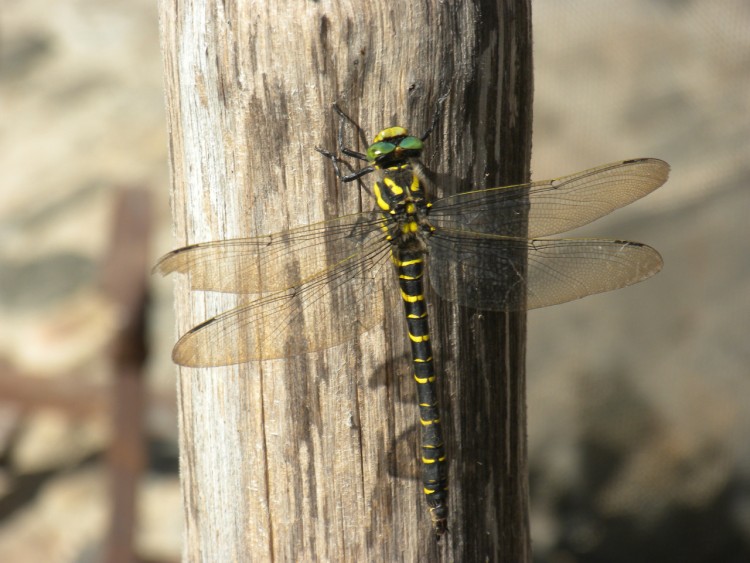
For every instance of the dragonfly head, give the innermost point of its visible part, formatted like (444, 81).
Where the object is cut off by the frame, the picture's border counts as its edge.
(392, 146)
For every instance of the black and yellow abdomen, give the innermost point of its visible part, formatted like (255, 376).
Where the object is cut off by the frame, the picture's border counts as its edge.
(410, 269)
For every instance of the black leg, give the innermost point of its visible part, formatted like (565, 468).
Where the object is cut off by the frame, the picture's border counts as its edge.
(337, 161)
(354, 154)
(356, 174)
(343, 117)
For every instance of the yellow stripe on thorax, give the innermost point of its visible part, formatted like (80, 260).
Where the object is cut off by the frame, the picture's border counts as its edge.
(393, 186)
(415, 187)
(383, 204)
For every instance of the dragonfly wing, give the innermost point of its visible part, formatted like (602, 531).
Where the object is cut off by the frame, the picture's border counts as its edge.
(272, 262)
(563, 270)
(329, 309)
(481, 271)
(496, 273)
(551, 206)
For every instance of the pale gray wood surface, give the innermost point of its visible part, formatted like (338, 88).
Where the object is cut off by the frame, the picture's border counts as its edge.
(315, 457)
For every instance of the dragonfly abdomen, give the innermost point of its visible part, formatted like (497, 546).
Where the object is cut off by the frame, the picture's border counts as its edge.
(410, 269)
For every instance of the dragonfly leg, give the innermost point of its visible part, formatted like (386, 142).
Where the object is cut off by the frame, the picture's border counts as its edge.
(337, 161)
(360, 133)
(354, 154)
(355, 175)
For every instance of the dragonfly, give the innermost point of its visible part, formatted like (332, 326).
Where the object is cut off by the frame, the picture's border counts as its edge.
(323, 284)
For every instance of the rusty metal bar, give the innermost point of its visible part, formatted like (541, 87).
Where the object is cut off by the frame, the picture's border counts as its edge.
(124, 279)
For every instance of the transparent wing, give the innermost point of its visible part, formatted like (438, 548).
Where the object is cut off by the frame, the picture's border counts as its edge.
(273, 262)
(553, 206)
(496, 273)
(330, 308)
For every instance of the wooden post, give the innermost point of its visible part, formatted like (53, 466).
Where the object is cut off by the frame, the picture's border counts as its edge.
(301, 459)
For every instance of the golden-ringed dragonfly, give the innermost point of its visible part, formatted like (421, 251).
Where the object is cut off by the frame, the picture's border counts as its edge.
(320, 285)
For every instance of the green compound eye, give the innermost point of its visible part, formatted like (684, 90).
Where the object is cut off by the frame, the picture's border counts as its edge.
(411, 144)
(376, 150)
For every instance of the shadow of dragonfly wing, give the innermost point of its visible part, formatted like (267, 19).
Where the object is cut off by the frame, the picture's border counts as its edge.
(497, 273)
(551, 206)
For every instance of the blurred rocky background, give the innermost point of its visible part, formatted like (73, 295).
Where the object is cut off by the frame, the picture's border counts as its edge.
(81, 122)
(637, 399)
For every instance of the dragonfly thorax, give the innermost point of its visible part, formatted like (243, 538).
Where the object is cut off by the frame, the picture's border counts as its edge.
(401, 197)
